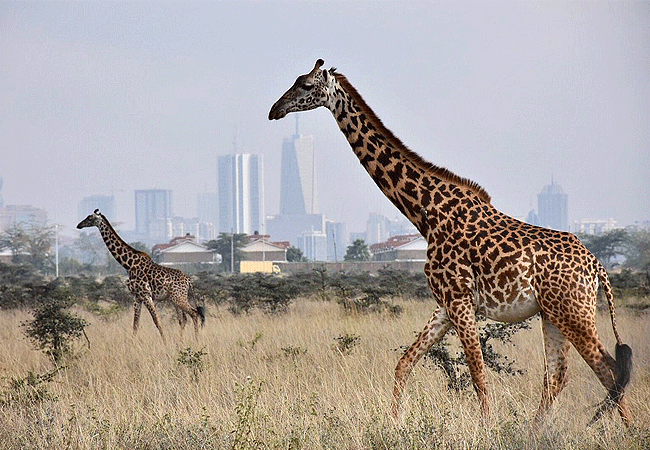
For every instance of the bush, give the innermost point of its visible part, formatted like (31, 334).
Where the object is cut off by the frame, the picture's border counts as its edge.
(458, 380)
(52, 330)
(269, 293)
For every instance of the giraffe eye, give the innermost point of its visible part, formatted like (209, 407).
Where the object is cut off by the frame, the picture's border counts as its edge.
(308, 86)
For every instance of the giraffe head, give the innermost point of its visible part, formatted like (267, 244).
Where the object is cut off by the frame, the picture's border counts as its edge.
(93, 220)
(308, 92)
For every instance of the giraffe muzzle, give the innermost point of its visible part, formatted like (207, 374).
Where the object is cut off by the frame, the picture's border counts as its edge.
(277, 112)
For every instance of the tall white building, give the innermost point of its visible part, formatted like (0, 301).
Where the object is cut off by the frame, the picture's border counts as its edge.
(241, 193)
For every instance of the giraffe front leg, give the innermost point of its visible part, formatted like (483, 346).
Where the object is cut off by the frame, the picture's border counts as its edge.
(137, 308)
(464, 322)
(556, 349)
(148, 302)
(434, 330)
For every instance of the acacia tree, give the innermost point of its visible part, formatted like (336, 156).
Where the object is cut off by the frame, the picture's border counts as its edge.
(30, 244)
(357, 251)
(607, 246)
(637, 250)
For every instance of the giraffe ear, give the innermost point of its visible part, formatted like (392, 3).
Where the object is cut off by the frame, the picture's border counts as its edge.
(325, 74)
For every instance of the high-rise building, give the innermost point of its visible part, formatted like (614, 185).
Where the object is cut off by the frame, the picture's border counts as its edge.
(105, 203)
(376, 228)
(207, 207)
(241, 193)
(207, 211)
(552, 207)
(337, 241)
(313, 245)
(298, 176)
(153, 214)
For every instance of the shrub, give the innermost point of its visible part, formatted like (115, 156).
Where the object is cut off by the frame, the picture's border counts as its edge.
(52, 330)
(29, 390)
(193, 360)
(440, 356)
(345, 343)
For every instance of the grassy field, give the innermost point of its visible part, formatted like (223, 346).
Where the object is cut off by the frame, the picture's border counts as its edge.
(260, 381)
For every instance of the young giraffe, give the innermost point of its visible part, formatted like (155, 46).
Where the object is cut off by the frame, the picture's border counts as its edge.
(479, 260)
(147, 281)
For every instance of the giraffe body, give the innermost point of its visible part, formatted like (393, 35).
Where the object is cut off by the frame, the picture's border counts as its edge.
(479, 260)
(148, 281)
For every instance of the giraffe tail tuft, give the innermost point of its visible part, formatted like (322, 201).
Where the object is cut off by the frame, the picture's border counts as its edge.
(200, 310)
(623, 374)
(624, 371)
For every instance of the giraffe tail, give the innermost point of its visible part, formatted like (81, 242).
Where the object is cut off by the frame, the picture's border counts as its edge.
(623, 353)
(607, 288)
(200, 310)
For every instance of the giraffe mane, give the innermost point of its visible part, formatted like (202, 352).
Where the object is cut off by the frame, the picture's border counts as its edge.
(432, 169)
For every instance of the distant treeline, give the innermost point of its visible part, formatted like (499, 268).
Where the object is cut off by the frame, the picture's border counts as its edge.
(21, 286)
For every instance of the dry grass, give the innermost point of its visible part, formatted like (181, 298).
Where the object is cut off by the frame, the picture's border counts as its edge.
(279, 382)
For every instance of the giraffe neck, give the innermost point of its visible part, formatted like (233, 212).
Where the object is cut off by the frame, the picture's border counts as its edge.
(123, 253)
(409, 182)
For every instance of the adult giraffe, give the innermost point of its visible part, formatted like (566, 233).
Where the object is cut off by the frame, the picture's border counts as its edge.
(147, 281)
(479, 260)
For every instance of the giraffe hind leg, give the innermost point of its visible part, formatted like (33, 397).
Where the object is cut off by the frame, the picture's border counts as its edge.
(184, 307)
(433, 331)
(182, 318)
(623, 364)
(613, 374)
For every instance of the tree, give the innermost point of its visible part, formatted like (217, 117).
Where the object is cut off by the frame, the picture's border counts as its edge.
(294, 254)
(637, 250)
(357, 251)
(224, 244)
(607, 246)
(30, 244)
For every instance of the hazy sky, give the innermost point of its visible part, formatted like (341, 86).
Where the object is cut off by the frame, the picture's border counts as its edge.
(101, 98)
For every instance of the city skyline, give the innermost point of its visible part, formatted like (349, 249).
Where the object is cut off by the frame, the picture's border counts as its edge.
(241, 193)
(108, 98)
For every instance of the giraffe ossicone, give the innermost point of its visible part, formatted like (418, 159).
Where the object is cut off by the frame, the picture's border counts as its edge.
(479, 260)
(148, 281)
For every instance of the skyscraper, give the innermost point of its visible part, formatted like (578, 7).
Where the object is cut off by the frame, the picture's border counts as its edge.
(241, 193)
(207, 207)
(105, 203)
(153, 214)
(298, 179)
(552, 207)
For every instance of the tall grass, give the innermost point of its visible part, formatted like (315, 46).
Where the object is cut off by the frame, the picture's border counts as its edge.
(281, 381)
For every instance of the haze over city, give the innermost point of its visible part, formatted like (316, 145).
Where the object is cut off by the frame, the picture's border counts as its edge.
(106, 98)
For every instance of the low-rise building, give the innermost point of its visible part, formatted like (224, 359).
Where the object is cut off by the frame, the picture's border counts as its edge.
(184, 250)
(260, 249)
(409, 247)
